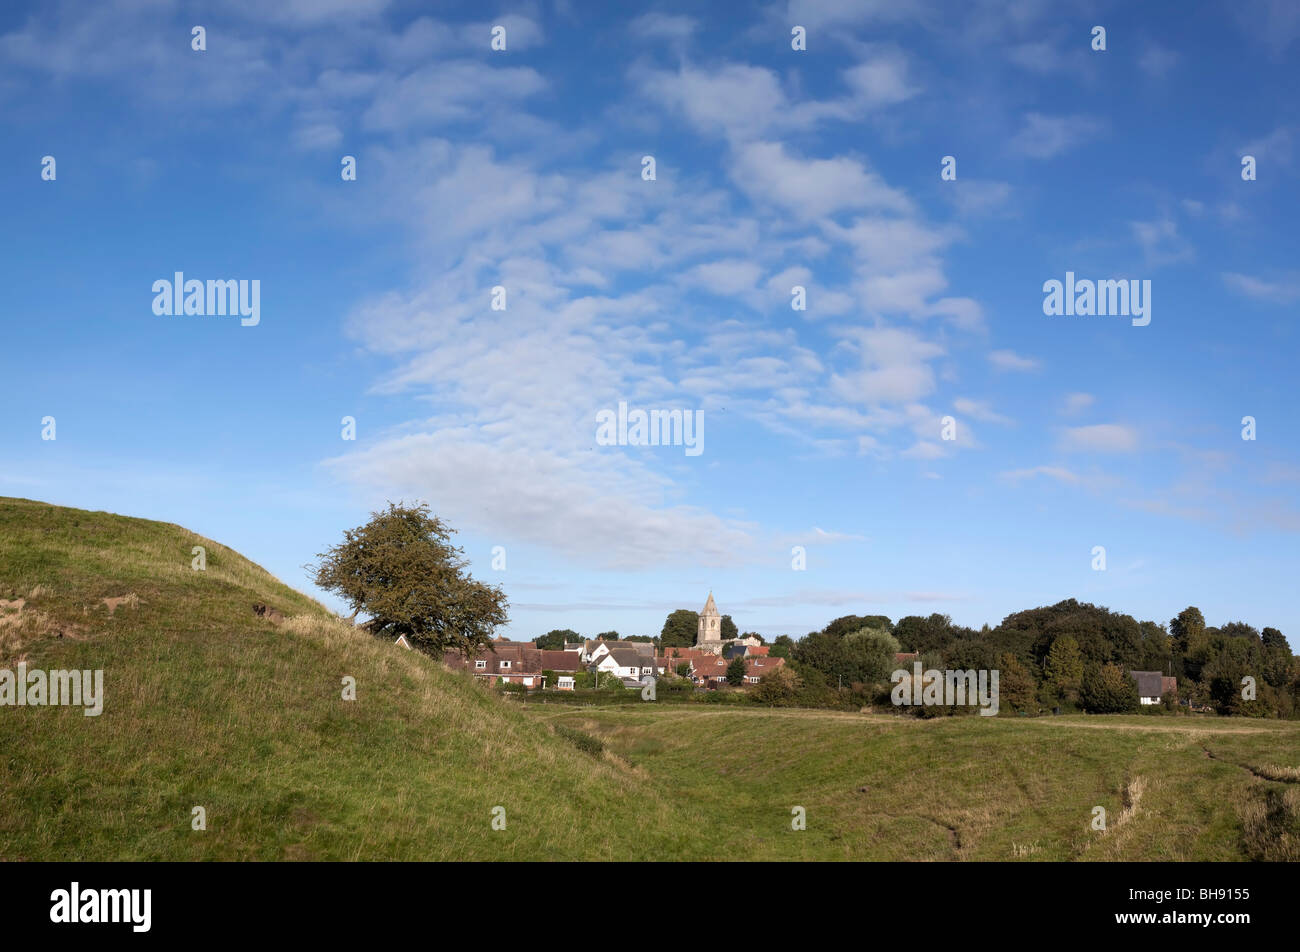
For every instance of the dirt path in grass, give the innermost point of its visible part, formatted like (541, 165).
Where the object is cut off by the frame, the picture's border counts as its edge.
(1155, 728)
(1098, 723)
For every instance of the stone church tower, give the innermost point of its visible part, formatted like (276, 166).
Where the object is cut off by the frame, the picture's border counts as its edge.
(709, 636)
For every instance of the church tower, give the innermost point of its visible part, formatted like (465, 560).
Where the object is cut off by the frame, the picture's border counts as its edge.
(710, 631)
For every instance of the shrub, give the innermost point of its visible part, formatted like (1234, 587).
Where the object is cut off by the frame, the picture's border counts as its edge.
(779, 687)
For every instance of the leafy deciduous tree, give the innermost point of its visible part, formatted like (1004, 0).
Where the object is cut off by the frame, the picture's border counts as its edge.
(680, 629)
(401, 569)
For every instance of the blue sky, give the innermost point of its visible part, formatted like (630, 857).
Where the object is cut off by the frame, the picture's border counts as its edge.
(774, 168)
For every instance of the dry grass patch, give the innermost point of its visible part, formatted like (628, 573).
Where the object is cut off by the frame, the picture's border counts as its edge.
(1270, 819)
(1279, 773)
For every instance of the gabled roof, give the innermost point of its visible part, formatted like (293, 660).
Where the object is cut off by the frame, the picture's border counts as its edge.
(678, 655)
(560, 660)
(629, 657)
(524, 658)
(710, 665)
(757, 667)
(1150, 683)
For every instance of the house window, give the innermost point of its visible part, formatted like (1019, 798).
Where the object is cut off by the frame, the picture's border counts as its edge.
(505, 665)
(528, 682)
(480, 665)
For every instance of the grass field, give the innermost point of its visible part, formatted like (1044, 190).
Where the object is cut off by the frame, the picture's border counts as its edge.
(209, 705)
(881, 787)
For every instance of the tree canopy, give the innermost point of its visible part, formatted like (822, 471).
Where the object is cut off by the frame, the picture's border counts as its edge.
(401, 569)
(554, 639)
(680, 629)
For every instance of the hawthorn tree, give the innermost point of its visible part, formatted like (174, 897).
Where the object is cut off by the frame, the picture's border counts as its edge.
(401, 569)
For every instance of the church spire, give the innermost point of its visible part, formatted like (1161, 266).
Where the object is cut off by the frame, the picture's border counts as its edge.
(710, 627)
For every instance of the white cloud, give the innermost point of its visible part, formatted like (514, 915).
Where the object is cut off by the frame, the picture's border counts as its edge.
(1044, 137)
(310, 12)
(881, 81)
(923, 449)
(979, 410)
(894, 367)
(1100, 438)
(595, 509)
(1160, 242)
(746, 103)
(811, 188)
(1058, 473)
(1283, 291)
(975, 197)
(732, 276)
(819, 13)
(1010, 360)
(1275, 148)
(1040, 56)
(663, 26)
(1157, 60)
(447, 91)
(1078, 402)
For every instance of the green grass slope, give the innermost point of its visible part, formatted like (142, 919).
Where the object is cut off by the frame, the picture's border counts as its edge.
(208, 705)
(883, 787)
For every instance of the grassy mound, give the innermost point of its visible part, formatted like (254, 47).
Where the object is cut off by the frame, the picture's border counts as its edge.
(208, 705)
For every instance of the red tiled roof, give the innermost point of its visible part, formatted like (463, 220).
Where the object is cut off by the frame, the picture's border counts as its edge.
(757, 667)
(524, 659)
(560, 660)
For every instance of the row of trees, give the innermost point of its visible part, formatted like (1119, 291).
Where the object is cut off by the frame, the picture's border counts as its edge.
(1072, 655)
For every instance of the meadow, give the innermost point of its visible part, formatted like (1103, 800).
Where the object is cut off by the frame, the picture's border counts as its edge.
(209, 705)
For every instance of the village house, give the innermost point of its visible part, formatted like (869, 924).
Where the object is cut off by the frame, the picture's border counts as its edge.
(591, 650)
(565, 664)
(757, 666)
(710, 671)
(629, 663)
(1152, 685)
(508, 661)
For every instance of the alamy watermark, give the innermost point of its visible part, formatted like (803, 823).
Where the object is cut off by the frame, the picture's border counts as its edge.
(1086, 298)
(651, 428)
(75, 905)
(39, 688)
(946, 688)
(219, 298)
